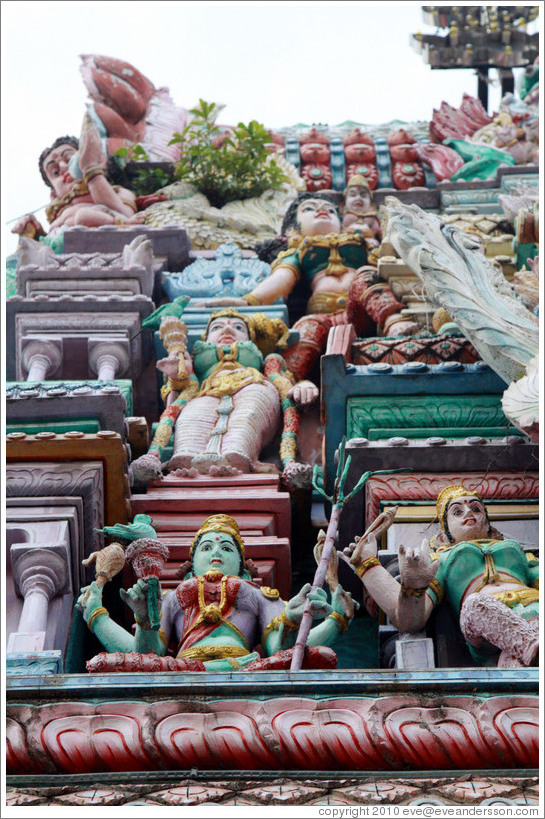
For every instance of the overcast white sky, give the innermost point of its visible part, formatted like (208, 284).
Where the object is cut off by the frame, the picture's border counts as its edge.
(278, 62)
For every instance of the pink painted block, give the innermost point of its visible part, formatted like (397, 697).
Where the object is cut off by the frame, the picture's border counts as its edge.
(211, 501)
(203, 481)
(249, 523)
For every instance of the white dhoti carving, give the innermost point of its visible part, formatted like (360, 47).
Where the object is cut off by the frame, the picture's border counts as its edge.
(227, 431)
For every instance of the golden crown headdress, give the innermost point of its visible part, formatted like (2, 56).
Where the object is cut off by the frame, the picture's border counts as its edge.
(220, 523)
(448, 494)
(357, 180)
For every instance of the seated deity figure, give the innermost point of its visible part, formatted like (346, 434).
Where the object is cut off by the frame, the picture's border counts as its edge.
(216, 617)
(228, 403)
(359, 212)
(490, 582)
(91, 200)
(344, 287)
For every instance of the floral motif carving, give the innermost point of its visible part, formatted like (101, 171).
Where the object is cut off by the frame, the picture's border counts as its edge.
(420, 486)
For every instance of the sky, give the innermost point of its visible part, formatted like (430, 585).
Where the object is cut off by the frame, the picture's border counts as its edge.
(281, 63)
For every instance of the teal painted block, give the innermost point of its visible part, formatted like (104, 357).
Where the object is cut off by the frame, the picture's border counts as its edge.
(359, 646)
(425, 412)
(86, 425)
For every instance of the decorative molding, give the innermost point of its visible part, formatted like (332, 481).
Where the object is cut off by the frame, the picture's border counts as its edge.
(425, 486)
(170, 242)
(393, 732)
(104, 447)
(46, 662)
(28, 404)
(471, 414)
(229, 274)
(263, 790)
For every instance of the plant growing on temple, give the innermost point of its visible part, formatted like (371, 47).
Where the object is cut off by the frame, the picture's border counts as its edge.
(225, 165)
(142, 180)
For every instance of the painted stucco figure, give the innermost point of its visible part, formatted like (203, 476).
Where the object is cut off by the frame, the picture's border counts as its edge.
(225, 400)
(490, 582)
(216, 617)
(75, 171)
(359, 212)
(343, 286)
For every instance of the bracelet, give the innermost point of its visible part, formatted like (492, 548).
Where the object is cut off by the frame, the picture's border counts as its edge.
(367, 564)
(96, 613)
(90, 173)
(251, 299)
(178, 383)
(414, 592)
(340, 620)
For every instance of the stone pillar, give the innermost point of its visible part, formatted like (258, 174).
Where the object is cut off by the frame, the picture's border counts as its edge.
(108, 358)
(41, 357)
(40, 573)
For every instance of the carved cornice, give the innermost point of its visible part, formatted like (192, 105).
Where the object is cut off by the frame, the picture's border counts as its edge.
(104, 446)
(426, 486)
(265, 789)
(76, 479)
(384, 733)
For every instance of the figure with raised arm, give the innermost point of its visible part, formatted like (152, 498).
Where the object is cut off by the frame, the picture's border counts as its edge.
(490, 582)
(76, 172)
(217, 615)
(343, 286)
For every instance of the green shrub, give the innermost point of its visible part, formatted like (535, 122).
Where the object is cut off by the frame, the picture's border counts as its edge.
(225, 166)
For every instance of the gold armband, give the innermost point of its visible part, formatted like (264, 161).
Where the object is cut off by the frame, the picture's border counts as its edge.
(276, 622)
(251, 299)
(90, 173)
(178, 384)
(274, 625)
(367, 564)
(437, 588)
(163, 636)
(340, 620)
(96, 613)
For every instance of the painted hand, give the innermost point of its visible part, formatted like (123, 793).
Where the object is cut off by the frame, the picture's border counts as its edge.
(415, 566)
(90, 599)
(136, 599)
(318, 604)
(91, 153)
(365, 547)
(332, 573)
(343, 603)
(304, 393)
(29, 226)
